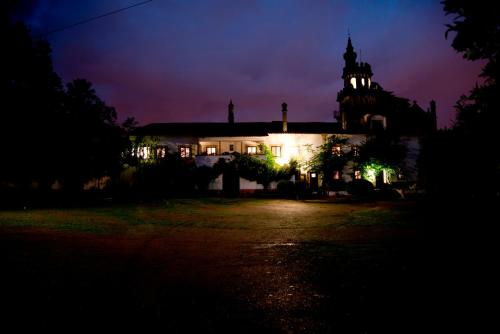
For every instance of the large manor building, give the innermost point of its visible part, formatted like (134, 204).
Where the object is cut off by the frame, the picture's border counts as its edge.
(364, 108)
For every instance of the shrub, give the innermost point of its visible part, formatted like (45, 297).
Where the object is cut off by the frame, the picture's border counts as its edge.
(361, 188)
(285, 187)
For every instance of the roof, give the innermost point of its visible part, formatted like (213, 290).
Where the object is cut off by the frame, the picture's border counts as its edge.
(234, 129)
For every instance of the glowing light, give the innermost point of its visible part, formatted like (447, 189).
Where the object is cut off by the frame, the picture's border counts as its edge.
(369, 82)
(336, 150)
(371, 175)
(252, 149)
(211, 150)
(185, 152)
(353, 82)
(313, 175)
(362, 81)
(143, 152)
(386, 176)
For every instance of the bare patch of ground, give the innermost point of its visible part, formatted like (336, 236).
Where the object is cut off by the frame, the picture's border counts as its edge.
(215, 266)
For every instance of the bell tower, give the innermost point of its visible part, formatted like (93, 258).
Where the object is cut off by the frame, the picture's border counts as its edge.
(357, 96)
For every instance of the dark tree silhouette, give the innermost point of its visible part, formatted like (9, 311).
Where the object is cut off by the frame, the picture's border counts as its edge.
(91, 140)
(476, 34)
(47, 132)
(32, 96)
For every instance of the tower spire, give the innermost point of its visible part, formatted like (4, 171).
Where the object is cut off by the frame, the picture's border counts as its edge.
(349, 55)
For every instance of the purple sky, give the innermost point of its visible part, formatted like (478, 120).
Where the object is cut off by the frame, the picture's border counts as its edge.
(171, 61)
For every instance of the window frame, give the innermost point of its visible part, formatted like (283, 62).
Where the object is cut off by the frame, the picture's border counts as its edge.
(211, 148)
(182, 151)
(278, 148)
(251, 148)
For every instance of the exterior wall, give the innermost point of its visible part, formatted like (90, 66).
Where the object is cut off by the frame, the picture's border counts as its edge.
(352, 140)
(250, 185)
(216, 184)
(293, 145)
(299, 146)
(173, 143)
(240, 144)
(210, 160)
(413, 151)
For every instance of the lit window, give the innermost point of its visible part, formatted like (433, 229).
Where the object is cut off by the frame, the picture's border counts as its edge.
(276, 151)
(231, 147)
(185, 151)
(336, 150)
(160, 152)
(313, 175)
(211, 150)
(353, 82)
(336, 175)
(252, 149)
(362, 81)
(369, 82)
(143, 152)
(357, 174)
(355, 151)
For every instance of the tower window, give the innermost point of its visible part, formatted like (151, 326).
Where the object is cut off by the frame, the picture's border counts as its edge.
(362, 81)
(231, 147)
(353, 82)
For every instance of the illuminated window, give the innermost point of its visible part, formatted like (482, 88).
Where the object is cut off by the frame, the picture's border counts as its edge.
(369, 82)
(362, 81)
(211, 150)
(357, 174)
(313, 175)
(231, 147)
(355, 151)
(143, 152)
(276, 151)
(353, 82)
(185, 151)
(336, 150)
(336, 175)
(160, 152)
(252, 149)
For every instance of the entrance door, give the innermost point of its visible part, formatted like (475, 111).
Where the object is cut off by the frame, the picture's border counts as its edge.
(313, 181)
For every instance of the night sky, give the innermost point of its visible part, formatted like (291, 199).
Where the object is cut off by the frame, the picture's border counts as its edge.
(181, 61)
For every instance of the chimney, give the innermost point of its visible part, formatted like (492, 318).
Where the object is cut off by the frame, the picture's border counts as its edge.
(230, 112)
(433, 115)
(283, 111)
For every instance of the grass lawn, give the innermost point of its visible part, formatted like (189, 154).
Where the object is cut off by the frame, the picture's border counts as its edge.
(216, 265)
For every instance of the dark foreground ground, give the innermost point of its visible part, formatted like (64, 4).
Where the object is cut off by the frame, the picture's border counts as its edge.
(217, 265)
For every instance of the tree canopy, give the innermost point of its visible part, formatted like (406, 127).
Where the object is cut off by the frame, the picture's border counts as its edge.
(50, 132)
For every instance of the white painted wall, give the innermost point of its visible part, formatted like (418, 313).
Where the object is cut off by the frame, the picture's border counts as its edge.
(216, 184)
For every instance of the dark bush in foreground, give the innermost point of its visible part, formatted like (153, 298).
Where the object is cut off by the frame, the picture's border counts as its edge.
(361, 188)
(285, 187)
